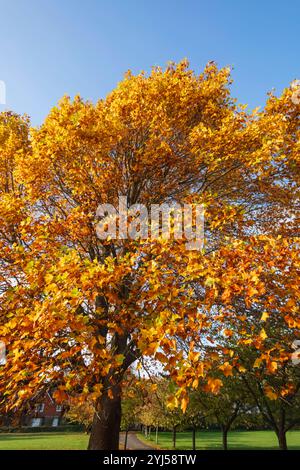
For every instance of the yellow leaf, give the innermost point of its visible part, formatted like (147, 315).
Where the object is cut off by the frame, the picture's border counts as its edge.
(252, 291)
(263, 335)
(265, 316)
(184, 404)
(172, 403)
(213, 385)
(226, 368)
(228, 332)
(272, 366)
(209, 281)
(270, 393)
(257, 362)
(60, 395)
(194, 356)
(195, 383)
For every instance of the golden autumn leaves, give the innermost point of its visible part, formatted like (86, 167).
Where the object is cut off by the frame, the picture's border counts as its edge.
(78, 311)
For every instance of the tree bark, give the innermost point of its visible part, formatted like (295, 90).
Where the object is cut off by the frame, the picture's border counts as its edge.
(194, 438)
(224, 437)
(156, 435)
(281, 436)
(174, 437)
(106, 423)
(126, 438)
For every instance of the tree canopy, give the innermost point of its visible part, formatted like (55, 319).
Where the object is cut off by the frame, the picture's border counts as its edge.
(77, 311)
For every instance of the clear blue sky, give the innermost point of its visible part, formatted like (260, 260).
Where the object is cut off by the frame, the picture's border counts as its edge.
(51, 48)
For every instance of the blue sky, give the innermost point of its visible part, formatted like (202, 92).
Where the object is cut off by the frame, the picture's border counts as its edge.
(51, 48)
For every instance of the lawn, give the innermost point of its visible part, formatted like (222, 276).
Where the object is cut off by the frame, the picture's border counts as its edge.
(43, 441)
(236, 440)
(205, 440)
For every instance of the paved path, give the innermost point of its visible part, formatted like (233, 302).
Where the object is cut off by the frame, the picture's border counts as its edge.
(133, 443)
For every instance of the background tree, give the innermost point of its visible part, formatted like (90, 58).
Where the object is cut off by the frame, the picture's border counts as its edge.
(224, 407)
(195, 416)
(262, 338)
(81, 413)
(133, 398)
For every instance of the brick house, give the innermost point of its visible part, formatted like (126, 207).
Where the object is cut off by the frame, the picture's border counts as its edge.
(44, 412)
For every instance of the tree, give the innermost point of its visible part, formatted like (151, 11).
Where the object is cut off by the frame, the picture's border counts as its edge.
(172, 414)
(225, 407)
(195, 415)
(81, 412)
(270, 378)
(128, 418)
(132, 403)
(159, 409)
(153, 411)
(77, 310)
(258, 345)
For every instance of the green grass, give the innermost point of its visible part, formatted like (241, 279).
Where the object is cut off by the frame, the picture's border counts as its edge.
(43, 441)
(204, 440)
(236, 440)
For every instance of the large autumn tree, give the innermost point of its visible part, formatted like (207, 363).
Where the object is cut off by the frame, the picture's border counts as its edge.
(77, 311)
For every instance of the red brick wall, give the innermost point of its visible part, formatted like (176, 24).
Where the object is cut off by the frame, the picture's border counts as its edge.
(47, 414)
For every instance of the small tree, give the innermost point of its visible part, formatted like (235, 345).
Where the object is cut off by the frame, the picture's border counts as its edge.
(82, 413)
(132, 405)
(194, 415)
(224, 407)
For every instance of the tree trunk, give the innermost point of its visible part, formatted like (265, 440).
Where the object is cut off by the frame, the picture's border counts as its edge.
(88, 429)
(224, 437)
(106, 423)
(281, 436)
(174, 437)
(194, 438)
(126, 437)
(156, 435)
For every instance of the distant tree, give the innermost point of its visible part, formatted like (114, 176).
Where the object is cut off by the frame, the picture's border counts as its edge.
(132, 404)
(224, 407)
(195, 415)
(81, 413)
(263, 343)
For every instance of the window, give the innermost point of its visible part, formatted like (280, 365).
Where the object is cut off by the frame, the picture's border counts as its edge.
(55, 422)
(58, 408)
(35, 422)
(39, 407)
